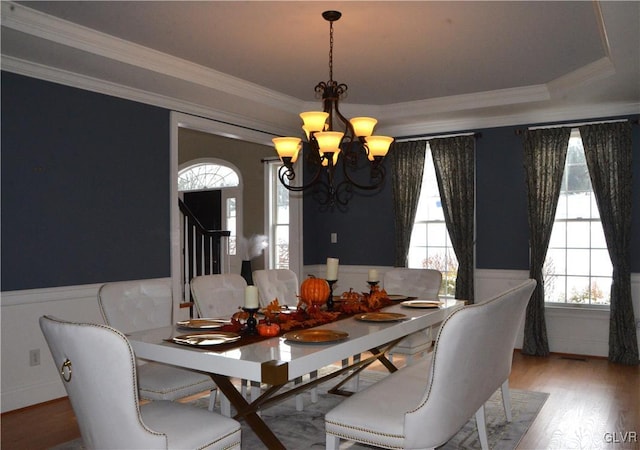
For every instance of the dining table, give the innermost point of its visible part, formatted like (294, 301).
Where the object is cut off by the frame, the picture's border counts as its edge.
(283, 360)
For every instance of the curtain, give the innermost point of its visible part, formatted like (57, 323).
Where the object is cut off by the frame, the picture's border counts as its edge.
(607, 149)
(545, 152)
(408, 167)
(454, 161)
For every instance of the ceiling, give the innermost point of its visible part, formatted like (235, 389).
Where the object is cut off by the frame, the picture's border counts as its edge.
(420, 66)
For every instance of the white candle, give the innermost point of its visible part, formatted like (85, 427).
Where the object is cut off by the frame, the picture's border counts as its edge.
(251, 297)
(373, 275)
(332, 268)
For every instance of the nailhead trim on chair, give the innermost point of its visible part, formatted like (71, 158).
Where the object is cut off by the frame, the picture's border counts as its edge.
(366, 441)
(234, 445)
(366, 430)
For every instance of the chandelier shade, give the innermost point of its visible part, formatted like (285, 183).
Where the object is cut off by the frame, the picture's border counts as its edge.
(334, 141)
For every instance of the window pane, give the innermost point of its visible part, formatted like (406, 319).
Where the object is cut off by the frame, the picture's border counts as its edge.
(419, 235)
(558, 235)
(555, 262)
(578, 234)
(597, 236)
(437, 234)
(601, 263)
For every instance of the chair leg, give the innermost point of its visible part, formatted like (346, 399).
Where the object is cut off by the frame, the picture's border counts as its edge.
(506, 399)
(299, 398)
(333, 442)
(212, 399)
(225, 405)
(481, 424)
(314, 390)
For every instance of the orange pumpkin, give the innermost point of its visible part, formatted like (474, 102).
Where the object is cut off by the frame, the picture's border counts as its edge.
(268, 329)
(314, 291)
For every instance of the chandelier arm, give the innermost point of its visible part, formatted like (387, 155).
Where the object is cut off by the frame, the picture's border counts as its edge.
(286, 174)
(377, 176)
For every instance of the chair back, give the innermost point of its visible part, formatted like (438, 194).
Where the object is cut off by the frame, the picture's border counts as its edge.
(136, 305)
(471, 359)
(98, 371)
(277, 283)
(218, 295)
(421, 283)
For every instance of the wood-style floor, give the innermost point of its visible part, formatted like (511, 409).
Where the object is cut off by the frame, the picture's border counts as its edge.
(593, 404)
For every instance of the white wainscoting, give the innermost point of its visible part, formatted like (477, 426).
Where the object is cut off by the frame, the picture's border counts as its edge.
(24, 385)
(570, 330)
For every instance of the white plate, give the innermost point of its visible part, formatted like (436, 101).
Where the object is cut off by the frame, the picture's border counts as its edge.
(206, 339)
(422, 303)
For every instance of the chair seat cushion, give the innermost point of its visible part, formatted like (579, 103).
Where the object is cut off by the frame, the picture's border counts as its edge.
(158, 381)
(190, 427)
(414, 343)
(376, 414)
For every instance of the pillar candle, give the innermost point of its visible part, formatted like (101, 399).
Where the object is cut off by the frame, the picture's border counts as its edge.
(251, 297)
(373, 275)
(332, 268)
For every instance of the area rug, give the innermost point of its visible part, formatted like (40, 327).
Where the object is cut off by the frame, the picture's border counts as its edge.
(305, 429)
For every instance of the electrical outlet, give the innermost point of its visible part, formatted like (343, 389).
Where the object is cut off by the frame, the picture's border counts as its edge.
(34, 357)
(334, 238)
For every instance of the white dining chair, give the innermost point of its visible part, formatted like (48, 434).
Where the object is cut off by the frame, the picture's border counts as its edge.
(422, 406)
(218, 295)
(282, 284)
(98, 370)
(142, 305)
(420, 283)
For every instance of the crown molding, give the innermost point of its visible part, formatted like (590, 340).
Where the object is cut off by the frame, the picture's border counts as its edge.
(38, 24)
(92, 84)
(597, 70)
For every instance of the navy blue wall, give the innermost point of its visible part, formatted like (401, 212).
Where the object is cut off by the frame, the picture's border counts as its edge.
(85, 192)
(502, 230)
(365, 229)
(85, 195)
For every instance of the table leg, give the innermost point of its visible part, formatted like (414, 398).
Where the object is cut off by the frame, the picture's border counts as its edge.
(244, 409)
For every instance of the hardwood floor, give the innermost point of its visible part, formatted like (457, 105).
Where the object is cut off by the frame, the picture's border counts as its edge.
(593, 404)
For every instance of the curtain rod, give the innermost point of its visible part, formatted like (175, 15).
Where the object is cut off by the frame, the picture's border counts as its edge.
(418, 137)
(574, 125)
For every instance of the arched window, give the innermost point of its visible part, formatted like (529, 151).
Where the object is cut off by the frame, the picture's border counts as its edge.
(206, 175)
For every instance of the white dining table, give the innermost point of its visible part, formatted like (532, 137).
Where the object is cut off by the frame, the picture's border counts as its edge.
(274, 362)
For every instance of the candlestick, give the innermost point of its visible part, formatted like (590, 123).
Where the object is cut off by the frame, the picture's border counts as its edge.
(332, 268)
(372, 286)
(373, 275)
(330, 303)
(251, 297)
(251, 321)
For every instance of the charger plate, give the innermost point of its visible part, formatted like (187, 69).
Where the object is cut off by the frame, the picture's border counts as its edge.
(315, 336)
(206, 339)
(380, 317)
(203, 324)
(422, 303)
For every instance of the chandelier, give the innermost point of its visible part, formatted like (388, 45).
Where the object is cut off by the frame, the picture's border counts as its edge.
(334, 141)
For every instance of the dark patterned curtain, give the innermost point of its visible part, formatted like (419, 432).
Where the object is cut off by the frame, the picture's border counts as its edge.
(408, 167)
(545, 152)
(454, 161)
(607, 148)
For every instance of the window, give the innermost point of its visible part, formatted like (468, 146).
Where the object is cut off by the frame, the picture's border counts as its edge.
(278, 205)
(206, 176)
(430, 244)
(213, 175)
(577, 268)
